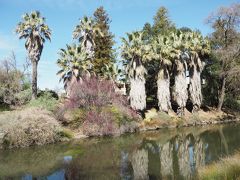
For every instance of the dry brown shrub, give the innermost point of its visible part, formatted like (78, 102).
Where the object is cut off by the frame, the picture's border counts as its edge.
(31, 126)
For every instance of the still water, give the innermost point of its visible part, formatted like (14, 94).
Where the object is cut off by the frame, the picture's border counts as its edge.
(163, 154)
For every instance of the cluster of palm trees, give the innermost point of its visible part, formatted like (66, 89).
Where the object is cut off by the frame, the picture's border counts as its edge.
(180, 57)
(76, 61)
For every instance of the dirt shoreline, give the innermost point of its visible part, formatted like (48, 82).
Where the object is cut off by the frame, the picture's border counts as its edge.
(191, 124)
(213, 118)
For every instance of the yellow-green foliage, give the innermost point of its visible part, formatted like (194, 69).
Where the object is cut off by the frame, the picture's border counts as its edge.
(77, 117)
(119, 117)
(152, 114)
(226, 168)
(45, 101)
(66, 133)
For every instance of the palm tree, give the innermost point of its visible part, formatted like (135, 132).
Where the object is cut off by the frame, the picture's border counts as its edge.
(35, 31)
(179, 91)
(75, 64)
(162, 53)
(198, 47)
(135, 51)
(111, 72)
(85, 32)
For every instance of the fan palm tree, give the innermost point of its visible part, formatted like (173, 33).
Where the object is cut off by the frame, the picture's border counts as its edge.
(161, 53)
(180, 92)
(85, 32)
(75, 64)
(198, 47)
(35, 31)
(110, 72)
(135, 51)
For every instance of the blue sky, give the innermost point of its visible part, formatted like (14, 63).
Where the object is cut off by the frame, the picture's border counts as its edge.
(63, 15)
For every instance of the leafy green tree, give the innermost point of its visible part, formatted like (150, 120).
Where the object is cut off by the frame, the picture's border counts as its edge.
(35, 31)
(74, 63)
(225, 43)
(104, 57)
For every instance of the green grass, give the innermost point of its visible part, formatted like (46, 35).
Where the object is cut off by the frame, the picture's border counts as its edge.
(46, 102)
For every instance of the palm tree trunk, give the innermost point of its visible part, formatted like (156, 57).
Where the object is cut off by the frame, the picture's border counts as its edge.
(137, 93)
(195, 88)
(34, 79)
(180, 92)
(140, 164)
(184, 158)
(166, 159)
(89, 49)
(163, 92)
(222, 94)
(199, 153)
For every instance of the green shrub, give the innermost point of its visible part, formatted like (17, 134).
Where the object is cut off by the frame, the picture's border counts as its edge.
(76, 117)
(232, 103)
(23, 97)
(51, 93)
(65, 133)
(121, 115)
(4, 107)
(45, 101)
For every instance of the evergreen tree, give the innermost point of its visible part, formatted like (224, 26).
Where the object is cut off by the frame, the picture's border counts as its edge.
(103, 50)
(162, 23)
(147, 31)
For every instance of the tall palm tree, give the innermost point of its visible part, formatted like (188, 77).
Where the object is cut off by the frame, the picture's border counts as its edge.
(162, 54)
(135, 51)
(85, 32)
(74, 63)
(199, 48)
(111, 72)
(180, 92)
(35, 31)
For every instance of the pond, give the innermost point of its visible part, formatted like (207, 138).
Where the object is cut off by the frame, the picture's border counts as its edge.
(163, 154)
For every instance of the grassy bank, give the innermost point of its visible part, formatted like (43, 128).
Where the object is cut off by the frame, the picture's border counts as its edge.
(158, 120)
(226, 168)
